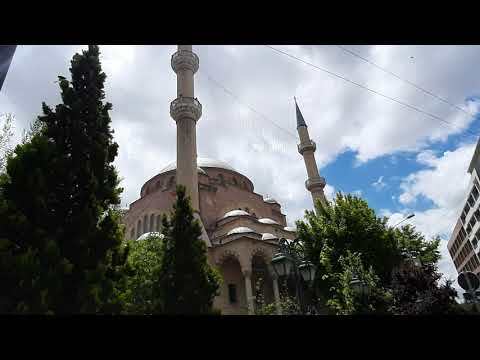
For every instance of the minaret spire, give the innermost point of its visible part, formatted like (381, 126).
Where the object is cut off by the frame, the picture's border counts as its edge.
(315, 183)
(186, 110)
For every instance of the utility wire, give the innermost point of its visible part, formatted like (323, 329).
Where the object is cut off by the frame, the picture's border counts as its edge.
(418, 87)
(371, 90)
(251, 108)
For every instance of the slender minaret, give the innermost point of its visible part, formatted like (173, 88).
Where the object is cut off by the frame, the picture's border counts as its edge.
(315, 183)
(186, 110)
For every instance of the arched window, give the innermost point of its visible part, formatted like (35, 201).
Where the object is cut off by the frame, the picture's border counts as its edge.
(139, 228)
(171, 182)
(234, 181)
(132, 233)
(221, 179)
(158, 185)
(152, 223)
(145, 224)
(159, 221)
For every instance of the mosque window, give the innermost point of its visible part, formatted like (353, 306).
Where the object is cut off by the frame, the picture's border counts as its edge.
(145, 224)
(158, 185)
(152, 223)
(235, 182)
(222, 180)
(232, 293)
(159, 220)
(139, 228)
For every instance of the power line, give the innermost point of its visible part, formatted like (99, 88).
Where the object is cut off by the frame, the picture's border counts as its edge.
(351, 52)
(251, 108)
(371, 90)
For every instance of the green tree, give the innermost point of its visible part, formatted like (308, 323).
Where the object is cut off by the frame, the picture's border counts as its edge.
(60, 237)
(144, 261)
(416, 291)
(6, 133)
(347, 225)
(187, 282)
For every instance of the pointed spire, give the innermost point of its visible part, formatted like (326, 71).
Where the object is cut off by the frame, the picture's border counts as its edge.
(300, 120)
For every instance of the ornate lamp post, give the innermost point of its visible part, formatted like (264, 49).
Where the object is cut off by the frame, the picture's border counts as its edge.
(289, 261)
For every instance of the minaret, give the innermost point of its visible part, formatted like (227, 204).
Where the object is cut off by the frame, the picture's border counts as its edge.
(315, 183)
(186, 110)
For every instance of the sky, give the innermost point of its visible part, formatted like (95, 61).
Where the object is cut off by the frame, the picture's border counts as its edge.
(399, 160)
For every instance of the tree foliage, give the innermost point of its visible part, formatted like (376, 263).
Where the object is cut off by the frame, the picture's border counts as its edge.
(188, 284)
(6, 134)
(345, 235)
(144, 261)
(60, 237)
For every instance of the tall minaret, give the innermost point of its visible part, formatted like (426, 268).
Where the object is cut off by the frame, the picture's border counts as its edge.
(315, 183)
(186, 110)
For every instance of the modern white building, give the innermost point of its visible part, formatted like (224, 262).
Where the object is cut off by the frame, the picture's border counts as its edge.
(464, 244)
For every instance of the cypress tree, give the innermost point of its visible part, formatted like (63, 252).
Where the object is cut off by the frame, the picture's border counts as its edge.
(187, 283)
(60, 235)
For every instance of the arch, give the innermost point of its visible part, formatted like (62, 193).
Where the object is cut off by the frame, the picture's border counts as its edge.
(221, 179)
(139, 228)
(145, 224)
(261, 252)
(234, 180)
(152, 223)
(159, 221)
(227, 254)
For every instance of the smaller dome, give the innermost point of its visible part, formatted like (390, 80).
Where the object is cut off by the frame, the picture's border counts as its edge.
(268, 221)
(268, 236)
(240, 230)
(235, 213)
(146, 235)
(270, 200)
(289, 228)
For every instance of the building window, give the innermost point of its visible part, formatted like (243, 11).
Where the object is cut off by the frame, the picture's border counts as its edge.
(234, 181)
(152, 223)
(232, 293)
(139, 228)
(145, 224)
(159, 220)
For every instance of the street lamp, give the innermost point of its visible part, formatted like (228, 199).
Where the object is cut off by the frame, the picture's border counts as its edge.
(409, 216)
(288, 262)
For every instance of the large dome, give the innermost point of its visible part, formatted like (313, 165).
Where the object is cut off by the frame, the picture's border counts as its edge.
(202, 162)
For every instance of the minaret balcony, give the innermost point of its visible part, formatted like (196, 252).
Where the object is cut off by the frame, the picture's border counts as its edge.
(185, 60)
(185, 107)
(307, 146)
(315, 183)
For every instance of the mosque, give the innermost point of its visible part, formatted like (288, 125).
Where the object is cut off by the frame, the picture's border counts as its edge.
(240, 227)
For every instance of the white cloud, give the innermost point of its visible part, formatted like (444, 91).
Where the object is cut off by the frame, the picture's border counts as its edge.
(379, 184)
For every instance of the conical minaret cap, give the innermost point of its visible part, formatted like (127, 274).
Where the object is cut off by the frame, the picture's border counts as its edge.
(300, 119)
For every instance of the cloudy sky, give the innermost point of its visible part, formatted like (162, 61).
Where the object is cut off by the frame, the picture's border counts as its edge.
(398, 159)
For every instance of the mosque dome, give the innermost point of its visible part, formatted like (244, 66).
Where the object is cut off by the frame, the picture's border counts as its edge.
(146, 235)
(240, 230)
(268, 221)
(270, 200)
(235, 213)
(289, 228)
(202, 162)
(268, 236)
